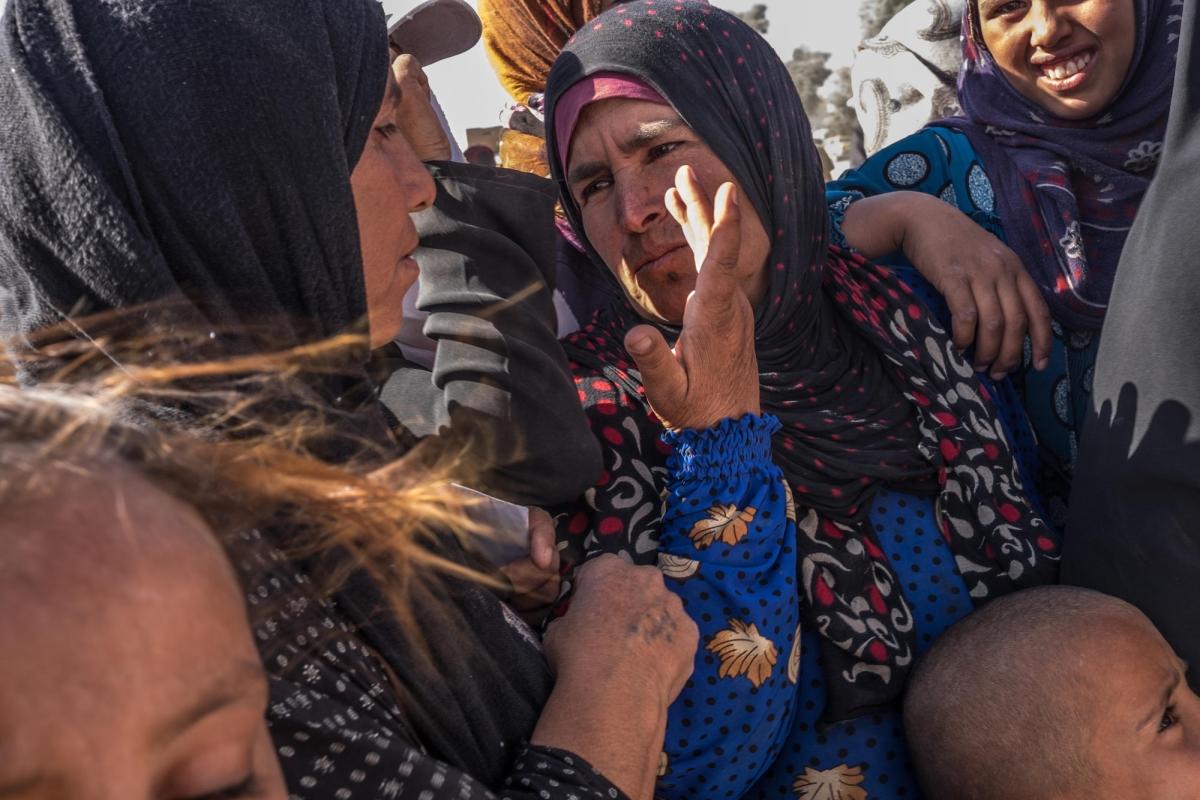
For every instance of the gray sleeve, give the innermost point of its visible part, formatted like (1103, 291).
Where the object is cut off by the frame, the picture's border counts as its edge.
(500, 388)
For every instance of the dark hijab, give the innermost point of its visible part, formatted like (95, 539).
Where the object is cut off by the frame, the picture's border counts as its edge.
(194, 152)
(200, 152)
(1136, 498)
(1068, 191)
(869, 389)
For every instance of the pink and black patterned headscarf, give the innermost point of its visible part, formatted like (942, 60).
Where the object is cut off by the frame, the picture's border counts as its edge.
(870, 390)
(1067, 191)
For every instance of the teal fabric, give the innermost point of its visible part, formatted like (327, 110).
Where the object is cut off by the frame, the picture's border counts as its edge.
(943, 163)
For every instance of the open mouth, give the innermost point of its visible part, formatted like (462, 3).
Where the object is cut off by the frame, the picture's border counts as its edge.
(1065, 74)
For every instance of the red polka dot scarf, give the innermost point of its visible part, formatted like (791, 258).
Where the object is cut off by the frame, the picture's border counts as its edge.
(868, 387)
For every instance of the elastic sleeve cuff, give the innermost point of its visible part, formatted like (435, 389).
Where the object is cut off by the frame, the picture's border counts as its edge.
(728, 450)
(839, 202)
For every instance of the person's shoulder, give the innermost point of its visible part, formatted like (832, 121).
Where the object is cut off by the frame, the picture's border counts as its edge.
(933, 144)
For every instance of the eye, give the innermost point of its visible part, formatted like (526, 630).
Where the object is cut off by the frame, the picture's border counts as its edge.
(247, 788)
(593, 187)
(660, 150)
(1001, 9)
(1169, 720)
(387, 130)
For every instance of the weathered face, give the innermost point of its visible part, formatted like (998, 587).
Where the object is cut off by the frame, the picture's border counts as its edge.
(1068, 56)
(623, 159)
(388, 181)
(1146, 737)
(129, 670)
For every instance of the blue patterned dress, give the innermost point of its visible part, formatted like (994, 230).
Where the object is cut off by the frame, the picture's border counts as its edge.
(943, 163)
(712, 510)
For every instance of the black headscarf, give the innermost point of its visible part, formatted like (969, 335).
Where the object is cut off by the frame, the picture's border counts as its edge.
(200, 152)
(1136, 497)
(195, 152)
(869, 389)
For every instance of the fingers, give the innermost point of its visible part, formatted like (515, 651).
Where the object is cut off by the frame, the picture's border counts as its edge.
(719, 280)
(991, 325)
(699, 211)
(1041, 336)
(1016, 322)
(542, 539)
(964, 316)
(664, 378)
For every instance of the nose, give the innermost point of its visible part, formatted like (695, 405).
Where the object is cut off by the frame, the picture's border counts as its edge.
(1051, 24)
(415, 180)
(639, 205)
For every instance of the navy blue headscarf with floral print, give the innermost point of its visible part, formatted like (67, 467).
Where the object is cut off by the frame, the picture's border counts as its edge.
(1068, 191)
(869, 389)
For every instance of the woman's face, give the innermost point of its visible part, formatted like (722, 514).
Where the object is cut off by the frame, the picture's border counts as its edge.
(623, 159)
(129, 670)
(389, 183)
(1068, 56)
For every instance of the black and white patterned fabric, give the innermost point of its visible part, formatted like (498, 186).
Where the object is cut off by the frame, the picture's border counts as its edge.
(339, 714)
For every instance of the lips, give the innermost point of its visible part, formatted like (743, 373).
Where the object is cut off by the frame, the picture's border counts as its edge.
(658, 256)
(1066, 71)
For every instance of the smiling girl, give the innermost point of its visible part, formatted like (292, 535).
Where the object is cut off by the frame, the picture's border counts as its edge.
(1065, 108)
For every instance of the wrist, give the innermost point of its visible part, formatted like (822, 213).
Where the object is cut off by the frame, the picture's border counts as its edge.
(725, 451)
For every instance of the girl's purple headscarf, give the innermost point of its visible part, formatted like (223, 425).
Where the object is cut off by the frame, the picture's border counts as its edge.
(1067, 191)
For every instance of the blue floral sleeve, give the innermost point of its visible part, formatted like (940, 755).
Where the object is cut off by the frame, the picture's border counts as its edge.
(727, 549)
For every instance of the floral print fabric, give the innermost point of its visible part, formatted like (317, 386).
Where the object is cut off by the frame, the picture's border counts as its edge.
(867, 386)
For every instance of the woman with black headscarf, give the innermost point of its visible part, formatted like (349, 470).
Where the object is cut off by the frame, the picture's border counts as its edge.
(234, 168)
(822, 543)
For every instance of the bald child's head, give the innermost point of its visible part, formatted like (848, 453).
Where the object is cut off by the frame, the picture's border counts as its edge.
(1055, 692)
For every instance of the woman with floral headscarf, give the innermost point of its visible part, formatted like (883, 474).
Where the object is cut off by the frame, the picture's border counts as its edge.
(1064, 113)
(838, 484)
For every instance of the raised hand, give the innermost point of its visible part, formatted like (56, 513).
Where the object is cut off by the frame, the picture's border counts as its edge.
(712, 372)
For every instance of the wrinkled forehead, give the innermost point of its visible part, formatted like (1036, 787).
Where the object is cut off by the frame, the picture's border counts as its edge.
(592, 89)
(621, 123)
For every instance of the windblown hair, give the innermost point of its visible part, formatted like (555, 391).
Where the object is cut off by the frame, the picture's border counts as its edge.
(996, 710)
(239, 440)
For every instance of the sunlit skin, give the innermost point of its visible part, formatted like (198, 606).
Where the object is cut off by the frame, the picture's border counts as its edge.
(129, 669)
(1070, 57)
(388, 179)
(1145, 721)
(623, 159)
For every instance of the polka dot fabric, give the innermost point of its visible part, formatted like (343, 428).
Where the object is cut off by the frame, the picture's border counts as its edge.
(728, 550)
(867, 757)
(868, 387)
(335, 717)
(1055, 399)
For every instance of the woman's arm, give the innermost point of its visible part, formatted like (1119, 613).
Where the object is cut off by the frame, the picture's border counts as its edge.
(728, 550)
(909, 198)
(500, 385)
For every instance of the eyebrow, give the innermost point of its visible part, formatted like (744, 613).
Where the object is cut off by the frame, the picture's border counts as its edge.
(227, 690)
(645, 135)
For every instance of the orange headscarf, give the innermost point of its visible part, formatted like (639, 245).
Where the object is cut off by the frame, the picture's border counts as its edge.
(523, 37)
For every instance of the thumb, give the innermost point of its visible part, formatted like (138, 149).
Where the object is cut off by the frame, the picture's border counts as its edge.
(662, 374)
(541, 540)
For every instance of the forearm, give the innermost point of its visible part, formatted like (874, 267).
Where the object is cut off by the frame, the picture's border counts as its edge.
(616, 725)
(876, 226)
(728, 551)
